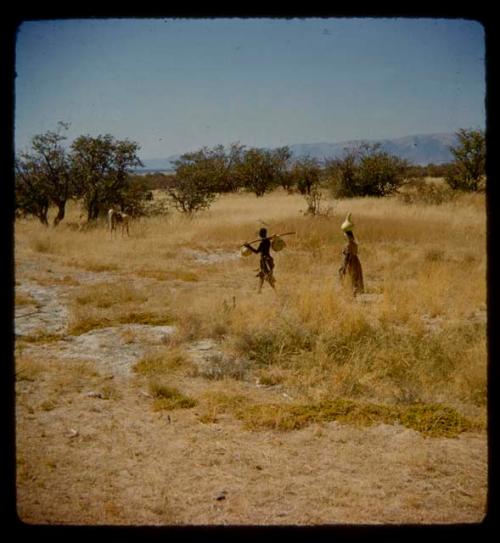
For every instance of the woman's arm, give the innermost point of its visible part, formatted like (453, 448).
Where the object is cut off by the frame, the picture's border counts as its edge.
(345, 263)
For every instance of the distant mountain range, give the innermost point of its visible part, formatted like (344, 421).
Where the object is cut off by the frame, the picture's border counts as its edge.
(421, 150)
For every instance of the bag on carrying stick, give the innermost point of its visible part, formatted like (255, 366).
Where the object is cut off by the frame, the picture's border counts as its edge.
(278, 244)
(245, 251)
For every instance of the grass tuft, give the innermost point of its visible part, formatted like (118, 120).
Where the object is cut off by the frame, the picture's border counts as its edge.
(162, 362)
(168, 398)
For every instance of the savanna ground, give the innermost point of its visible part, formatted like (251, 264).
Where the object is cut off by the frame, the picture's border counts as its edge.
(155, 387)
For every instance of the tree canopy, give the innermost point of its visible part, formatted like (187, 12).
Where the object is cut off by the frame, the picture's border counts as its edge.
(469, 167)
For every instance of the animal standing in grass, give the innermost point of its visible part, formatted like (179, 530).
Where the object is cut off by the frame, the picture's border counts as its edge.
(351, 264)
(118, 218)
(266, 260)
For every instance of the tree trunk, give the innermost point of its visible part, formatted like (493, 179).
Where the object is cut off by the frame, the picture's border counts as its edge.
(42, 215)
(61, 207)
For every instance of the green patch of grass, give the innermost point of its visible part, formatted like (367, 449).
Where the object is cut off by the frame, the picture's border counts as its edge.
(432, 420)
(168, 398)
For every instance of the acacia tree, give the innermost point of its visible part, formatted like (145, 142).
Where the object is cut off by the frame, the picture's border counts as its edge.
(469, 167)
(305, 173)
(101, 167)
(221, 167)
(193, 187)
(31, 195)
(366, 171)
(201, 175)
(262, 170)
(380, 174)
(44, 174)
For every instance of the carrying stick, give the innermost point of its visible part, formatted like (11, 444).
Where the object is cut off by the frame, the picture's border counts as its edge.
(271, 237)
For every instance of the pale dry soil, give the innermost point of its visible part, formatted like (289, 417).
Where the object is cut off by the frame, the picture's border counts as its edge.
(85, 456)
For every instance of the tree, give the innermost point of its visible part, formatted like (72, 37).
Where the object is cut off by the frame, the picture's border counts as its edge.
(306, 174)
(224, 167)
(31, 195)
(101, 167)
(380, 174)
(262, 170)
(135, 196)
(468, 169)
(201, 175)
(45, 174)
(366, 171)
(194, 184)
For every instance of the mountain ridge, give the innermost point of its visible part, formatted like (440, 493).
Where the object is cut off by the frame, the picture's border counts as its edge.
(419, 149)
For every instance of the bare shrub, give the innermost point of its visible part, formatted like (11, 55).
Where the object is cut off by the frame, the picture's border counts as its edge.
(218, 366)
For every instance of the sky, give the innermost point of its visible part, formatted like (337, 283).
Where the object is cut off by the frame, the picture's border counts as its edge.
(177, 85)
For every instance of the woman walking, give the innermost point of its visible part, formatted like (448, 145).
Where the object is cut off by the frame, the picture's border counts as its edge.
(351, 264)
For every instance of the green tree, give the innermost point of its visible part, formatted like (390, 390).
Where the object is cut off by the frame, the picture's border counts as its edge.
(201, 175)
(366, 170)
(45, 173)
(197, 176)
(262, 170)
(343, 174)
(469, 167)
(224, 165)
(306, 173)
(380, 174)
(101, 167)
(31, 195)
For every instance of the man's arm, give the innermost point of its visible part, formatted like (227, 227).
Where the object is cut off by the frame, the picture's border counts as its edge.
(250, 247)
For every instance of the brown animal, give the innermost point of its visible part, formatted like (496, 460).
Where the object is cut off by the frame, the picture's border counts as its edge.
(118, 218)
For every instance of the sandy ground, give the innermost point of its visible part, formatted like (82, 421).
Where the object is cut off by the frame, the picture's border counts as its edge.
(87, 457)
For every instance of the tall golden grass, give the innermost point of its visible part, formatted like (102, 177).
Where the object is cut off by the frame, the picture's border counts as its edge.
(417, 335)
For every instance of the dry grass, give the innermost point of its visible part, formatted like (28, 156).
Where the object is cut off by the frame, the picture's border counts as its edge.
(111, 303)
(411, 354)
(418, 341)
(162, 362)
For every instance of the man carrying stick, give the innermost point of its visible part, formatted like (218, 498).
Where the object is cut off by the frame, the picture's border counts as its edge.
(266, 260)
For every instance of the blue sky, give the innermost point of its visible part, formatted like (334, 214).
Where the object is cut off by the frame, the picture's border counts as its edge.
(176, 85)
